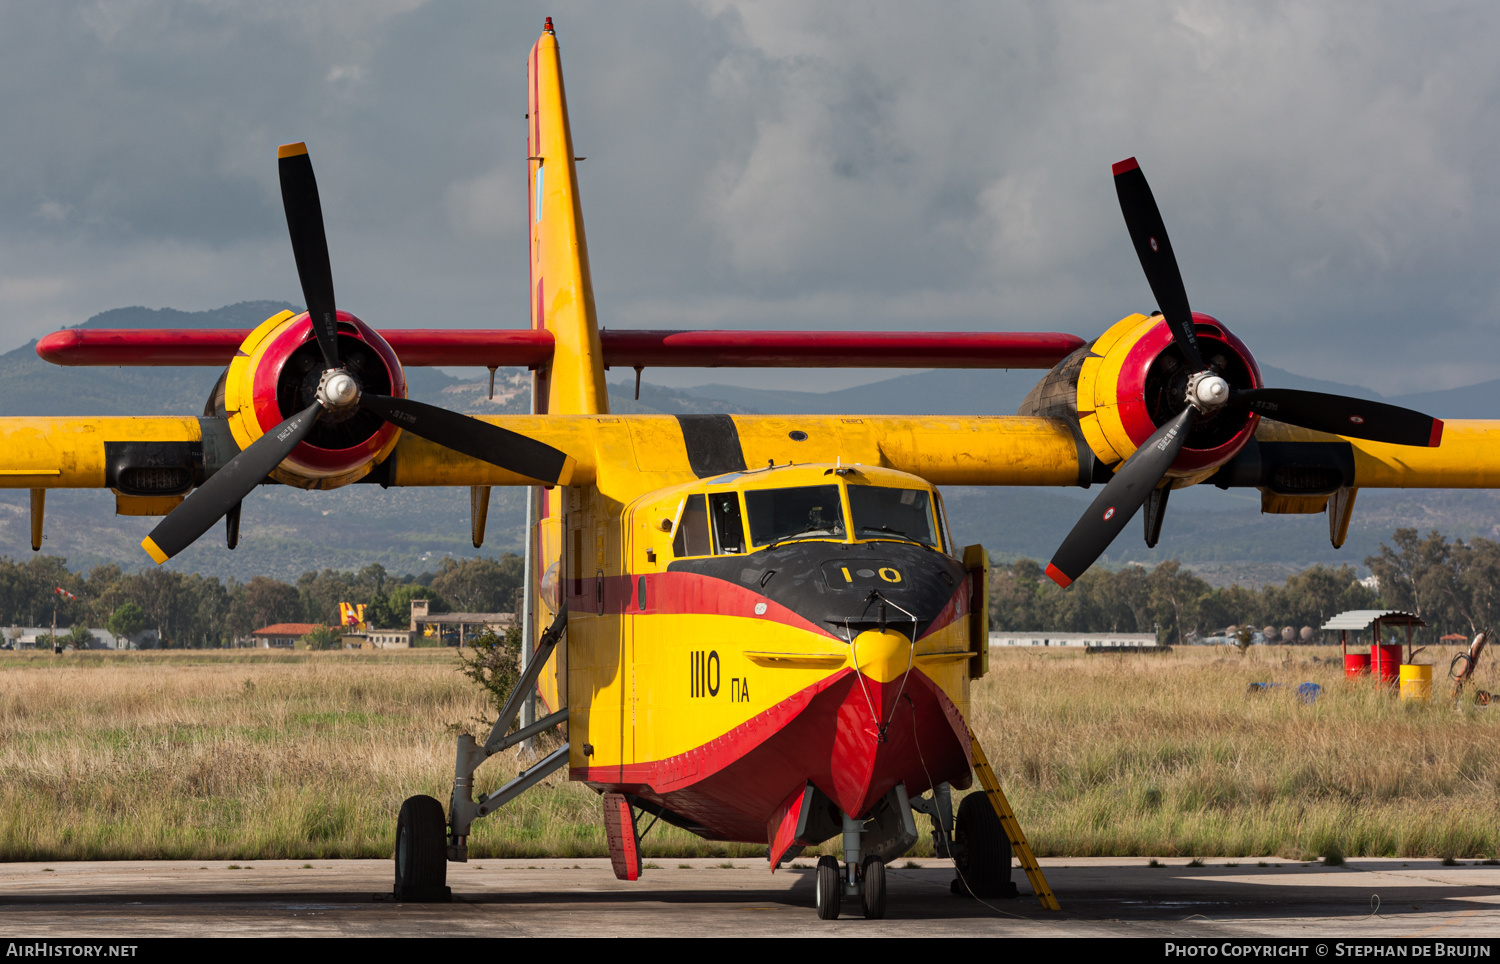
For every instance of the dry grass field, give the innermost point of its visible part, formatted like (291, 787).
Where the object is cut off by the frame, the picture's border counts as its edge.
(243, 755)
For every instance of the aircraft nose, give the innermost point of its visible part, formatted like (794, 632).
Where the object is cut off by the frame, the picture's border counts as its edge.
(882, 655)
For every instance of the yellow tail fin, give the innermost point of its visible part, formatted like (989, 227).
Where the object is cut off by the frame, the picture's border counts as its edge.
(562, 292)
(562, 301)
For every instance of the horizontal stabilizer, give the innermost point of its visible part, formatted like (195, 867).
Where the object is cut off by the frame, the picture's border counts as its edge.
(529, 348)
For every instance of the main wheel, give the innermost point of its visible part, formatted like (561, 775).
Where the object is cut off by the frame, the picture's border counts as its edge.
(422, 851)
(983, 850)
(874, 896)
(830, 888)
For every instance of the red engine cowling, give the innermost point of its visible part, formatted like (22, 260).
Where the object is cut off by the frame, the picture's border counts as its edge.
(275, 374)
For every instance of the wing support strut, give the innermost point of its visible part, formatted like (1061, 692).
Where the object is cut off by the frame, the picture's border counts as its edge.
(463, 810)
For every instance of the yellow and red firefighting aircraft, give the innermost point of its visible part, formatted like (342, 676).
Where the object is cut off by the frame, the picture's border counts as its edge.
(770, 635)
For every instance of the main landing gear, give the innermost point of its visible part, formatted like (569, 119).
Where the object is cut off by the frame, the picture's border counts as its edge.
(977, 845)
(422, 852)
(981, 851)
(425, 840)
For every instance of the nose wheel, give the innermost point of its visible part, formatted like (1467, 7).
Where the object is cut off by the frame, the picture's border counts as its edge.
(830, 888)
(867, 883)
(873, 895)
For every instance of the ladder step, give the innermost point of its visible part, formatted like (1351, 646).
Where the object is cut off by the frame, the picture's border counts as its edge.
(1012, 828)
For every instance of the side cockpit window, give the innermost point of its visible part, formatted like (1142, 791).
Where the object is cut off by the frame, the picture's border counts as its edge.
(729, 528)
(692, 529)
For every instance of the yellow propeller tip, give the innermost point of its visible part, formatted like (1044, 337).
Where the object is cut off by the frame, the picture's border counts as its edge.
(153, 550)
(291, 150)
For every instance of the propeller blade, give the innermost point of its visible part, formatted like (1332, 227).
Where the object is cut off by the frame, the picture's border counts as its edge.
(1118, 503)
(304, 221)
(1340, 415)
(223, 491)
(475, 438)
(1149, 234)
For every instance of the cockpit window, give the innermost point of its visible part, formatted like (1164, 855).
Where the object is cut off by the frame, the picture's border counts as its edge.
(803, 512)
(729, 529)
(692, 529)
(896, 513)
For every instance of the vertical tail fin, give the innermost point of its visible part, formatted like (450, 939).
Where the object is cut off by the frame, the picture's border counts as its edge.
(562, 301)
(562, 292)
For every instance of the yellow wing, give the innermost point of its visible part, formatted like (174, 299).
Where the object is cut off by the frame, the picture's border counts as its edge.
(160, 457)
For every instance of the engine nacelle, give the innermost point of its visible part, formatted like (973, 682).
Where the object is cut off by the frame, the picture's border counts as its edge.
(275, 374)
(1133, 379)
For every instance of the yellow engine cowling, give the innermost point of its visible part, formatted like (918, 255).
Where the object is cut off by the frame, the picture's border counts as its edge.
(1133, 379)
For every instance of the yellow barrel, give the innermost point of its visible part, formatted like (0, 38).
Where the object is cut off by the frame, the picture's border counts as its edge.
(1416, 681)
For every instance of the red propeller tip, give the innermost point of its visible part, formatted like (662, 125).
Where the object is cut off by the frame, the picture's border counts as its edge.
(1129, 164)
(1437, 434)
(1056, 575)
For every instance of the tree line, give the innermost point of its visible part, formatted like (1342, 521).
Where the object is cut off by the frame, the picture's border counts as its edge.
(1168, 600)
(192, 610)
(1454, 586)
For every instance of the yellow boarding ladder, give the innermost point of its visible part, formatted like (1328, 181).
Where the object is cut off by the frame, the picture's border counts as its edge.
(1012, 828)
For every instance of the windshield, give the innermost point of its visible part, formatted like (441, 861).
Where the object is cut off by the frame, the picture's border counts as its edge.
(899, 513)
(809, 511)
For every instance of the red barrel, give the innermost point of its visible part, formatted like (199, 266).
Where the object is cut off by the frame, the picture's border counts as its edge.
(1356, 665)
(1385, 662)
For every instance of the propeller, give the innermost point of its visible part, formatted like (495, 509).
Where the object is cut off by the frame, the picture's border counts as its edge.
(1149, 235)
(1121, 499)
(1341, 415)
(1207, 393)
(304, 222)
(212, 500)
(474, 438)
(339, 393)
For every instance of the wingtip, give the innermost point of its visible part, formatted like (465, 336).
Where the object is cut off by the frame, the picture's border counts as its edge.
(153, 550)
(1129, 164)
(1057, 576)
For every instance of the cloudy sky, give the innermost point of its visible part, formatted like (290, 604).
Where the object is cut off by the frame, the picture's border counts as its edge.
(1328, 171)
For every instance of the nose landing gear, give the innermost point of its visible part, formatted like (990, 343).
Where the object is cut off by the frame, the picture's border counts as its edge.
(830, 888)
(867, 883)
(869, 842)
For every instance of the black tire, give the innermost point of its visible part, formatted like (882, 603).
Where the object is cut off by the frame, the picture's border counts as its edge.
(873, 897)
(983, 850)
(422, 851)
(830, 888)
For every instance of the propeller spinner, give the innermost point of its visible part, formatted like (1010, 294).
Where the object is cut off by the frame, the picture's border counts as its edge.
(339, 393)
(1207, 393)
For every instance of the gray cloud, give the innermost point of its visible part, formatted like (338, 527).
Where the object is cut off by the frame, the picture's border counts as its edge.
(1326, 170)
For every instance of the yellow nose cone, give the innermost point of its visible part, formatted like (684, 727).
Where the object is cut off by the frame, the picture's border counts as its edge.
(882, 656)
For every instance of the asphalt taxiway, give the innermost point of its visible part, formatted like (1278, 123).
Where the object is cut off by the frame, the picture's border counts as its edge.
(1119, 897)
